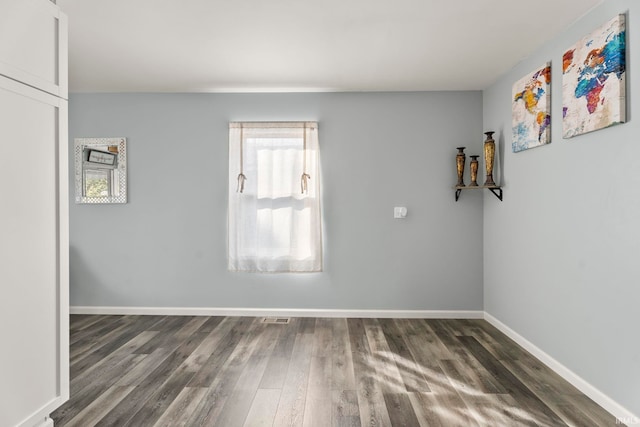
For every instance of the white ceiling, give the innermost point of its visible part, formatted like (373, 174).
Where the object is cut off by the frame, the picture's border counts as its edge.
(305, 45)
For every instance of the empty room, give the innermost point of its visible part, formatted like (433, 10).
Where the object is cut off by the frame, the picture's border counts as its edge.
(296, 213)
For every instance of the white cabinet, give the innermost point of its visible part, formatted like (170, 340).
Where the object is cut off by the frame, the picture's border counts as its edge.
(34, 248)
(33, 45)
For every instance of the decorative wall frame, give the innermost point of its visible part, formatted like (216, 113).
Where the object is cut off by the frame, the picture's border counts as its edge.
(531, 109)
(100, 170)
(593, 80)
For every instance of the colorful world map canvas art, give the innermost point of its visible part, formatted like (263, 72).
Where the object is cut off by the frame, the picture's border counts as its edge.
(593, 80)
(531, 122)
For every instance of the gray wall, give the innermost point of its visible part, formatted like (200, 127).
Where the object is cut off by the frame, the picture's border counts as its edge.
(561, 252)
(167, 246)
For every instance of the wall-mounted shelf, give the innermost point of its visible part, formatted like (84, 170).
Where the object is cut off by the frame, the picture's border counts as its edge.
(495, 189)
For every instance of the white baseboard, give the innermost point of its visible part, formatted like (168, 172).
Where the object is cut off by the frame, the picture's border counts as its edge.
(291, 312)
(48, 422)
(625, 416)
(40, 418)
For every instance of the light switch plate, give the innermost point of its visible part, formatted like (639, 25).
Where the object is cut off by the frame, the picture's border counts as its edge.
(399, 212)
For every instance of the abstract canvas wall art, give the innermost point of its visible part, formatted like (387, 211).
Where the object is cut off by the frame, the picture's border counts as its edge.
(531, 117)
(593, 80)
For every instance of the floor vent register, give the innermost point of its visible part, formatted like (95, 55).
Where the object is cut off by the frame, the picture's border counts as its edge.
(276, 320)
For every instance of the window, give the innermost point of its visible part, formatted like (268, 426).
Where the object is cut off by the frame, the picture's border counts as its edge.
(274, 197)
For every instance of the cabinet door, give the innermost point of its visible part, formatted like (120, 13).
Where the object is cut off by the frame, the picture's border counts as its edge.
(33, 44)
(33, 256)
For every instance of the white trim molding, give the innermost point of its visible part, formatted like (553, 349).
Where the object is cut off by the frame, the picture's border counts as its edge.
(280, 312)
(48, 422)
(613, 407)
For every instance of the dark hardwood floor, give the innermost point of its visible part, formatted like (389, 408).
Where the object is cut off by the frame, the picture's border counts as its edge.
(237, 371)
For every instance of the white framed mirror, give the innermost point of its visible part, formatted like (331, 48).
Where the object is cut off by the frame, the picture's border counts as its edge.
(101, 170)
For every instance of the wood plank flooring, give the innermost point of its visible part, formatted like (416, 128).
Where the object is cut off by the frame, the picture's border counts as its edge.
(237, 371)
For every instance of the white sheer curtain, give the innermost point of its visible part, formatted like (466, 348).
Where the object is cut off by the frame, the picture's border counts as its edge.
(274, 197)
